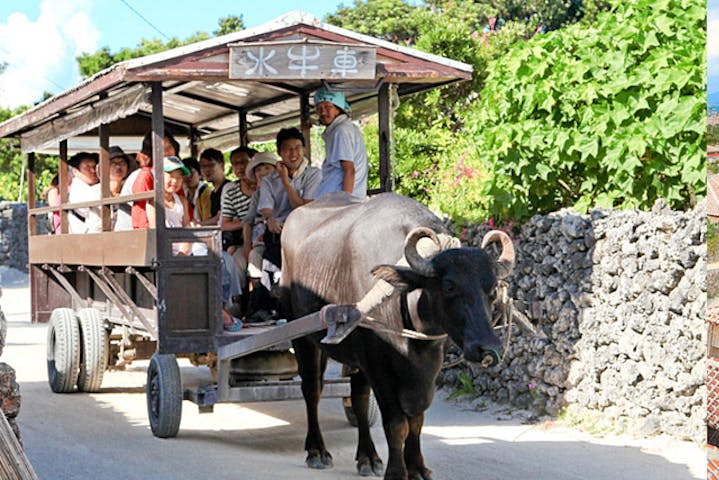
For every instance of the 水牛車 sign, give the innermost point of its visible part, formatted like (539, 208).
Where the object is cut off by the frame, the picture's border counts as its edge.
(301, 60)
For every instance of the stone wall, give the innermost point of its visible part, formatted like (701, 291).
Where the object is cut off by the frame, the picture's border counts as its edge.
(9, 388)
(621, 297)
(13, 235)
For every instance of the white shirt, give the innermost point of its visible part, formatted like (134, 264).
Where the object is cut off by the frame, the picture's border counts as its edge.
(91, 221)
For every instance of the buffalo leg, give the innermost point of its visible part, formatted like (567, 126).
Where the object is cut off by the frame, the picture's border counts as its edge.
(412, 451)
(311, 363)
(368, 462)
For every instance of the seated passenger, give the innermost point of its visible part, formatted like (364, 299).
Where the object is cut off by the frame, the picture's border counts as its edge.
(119, 167)
(235, 204)
(176, 211)
(293, 184)
(52, 197)
(261, 165)
(144, 159)
(212, 167)
(197, 192)
(85, 187)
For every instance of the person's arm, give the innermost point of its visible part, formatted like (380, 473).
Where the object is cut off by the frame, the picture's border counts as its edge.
(273, 225)
(150, 210)
(292, 195)
(348, 176)
(185, 211)
(246, 240)
(230, 225)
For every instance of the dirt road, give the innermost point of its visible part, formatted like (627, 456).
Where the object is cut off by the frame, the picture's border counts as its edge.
(106, 435)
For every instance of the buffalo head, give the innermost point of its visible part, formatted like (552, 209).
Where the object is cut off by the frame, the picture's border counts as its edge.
(457, 290)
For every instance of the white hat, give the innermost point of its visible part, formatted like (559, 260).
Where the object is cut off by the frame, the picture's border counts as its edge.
(258, 159)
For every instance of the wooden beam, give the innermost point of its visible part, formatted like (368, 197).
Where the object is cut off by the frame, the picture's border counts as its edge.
(158, 153)
(104, 168)
(305, 125)
(386, 153)
(31, 200)
(243, 127)
(63, 185)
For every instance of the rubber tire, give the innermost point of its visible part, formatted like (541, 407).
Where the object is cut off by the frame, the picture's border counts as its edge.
(372, 411)
(63, 350)
(93, 354)
(164, 395)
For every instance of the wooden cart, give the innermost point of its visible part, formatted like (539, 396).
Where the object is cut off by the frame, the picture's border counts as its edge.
(114, 297)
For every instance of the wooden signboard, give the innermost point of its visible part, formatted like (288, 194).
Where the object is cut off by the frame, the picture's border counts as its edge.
(301, 60)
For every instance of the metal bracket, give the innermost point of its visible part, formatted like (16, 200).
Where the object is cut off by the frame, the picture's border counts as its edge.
(76, 299)
(336, 88)
(341, 320)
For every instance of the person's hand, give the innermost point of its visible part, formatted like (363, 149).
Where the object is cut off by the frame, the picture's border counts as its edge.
(273, 225)
(282, 171)
(231, 249)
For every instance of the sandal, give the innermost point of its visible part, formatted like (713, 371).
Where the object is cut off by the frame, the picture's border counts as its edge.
(232, 326)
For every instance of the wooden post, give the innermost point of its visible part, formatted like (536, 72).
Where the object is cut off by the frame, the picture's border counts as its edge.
(31, 200)
(13, 462)
(386, 147)
(158, 154)
(63, 184)
(243, 127)
(104, 168)
(193, 143)
(305, 125)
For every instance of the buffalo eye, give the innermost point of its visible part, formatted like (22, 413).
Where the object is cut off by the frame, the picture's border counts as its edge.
(449, 288)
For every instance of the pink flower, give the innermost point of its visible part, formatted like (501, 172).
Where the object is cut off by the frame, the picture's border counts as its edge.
(532, 385)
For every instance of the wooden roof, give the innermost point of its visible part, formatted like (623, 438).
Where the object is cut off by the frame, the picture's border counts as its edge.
(201, 100)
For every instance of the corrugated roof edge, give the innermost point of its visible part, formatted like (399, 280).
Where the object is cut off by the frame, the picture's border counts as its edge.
(290, 19)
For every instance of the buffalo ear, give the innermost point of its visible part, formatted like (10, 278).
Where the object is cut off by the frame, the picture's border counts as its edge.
(399, 277)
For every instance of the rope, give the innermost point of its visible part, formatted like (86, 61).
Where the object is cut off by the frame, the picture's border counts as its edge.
(372, 323)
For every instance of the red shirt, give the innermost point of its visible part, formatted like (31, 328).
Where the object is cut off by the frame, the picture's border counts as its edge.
(144, 182)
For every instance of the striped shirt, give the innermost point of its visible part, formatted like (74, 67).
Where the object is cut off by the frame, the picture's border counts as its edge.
(235, 203)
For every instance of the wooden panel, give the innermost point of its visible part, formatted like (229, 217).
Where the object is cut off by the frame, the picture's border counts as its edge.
(134, 247)
(302, 60)
(82, 249)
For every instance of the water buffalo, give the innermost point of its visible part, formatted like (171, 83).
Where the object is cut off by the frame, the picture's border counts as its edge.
(334, 250)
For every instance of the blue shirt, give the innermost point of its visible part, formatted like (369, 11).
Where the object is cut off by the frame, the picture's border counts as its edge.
(343, 141)
(274, 195)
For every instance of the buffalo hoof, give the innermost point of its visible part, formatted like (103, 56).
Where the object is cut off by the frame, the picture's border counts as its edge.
(368, 469)
(425, 474)
(318, 461)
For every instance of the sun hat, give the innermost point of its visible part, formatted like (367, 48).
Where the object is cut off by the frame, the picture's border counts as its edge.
(258, 159)
(75, 160)
(170, 164)
(115, 151)
(337, 98)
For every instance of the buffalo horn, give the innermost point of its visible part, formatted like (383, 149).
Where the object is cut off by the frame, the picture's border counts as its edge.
(505, 262)
(416, 261)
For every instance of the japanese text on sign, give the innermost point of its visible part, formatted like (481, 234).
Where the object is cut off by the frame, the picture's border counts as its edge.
(303, 60)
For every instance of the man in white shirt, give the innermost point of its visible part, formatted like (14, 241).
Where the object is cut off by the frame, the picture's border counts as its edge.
(85, 187)
(345, 165)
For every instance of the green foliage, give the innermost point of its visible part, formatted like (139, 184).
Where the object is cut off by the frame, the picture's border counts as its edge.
(466, 387)
(229, 24)
(391, 20)
(611, 115)
(11, 163)
(712, 134)
(712, 242)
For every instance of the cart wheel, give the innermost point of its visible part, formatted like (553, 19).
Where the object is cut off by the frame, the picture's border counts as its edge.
(63, 350)
(164, 395)
(93, 354)
(372, 410)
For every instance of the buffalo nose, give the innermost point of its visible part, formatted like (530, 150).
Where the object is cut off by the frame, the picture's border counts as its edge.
(490, 358)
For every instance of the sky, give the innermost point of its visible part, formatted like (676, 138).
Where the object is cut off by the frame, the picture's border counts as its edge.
(39, 39)
(712, 46)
